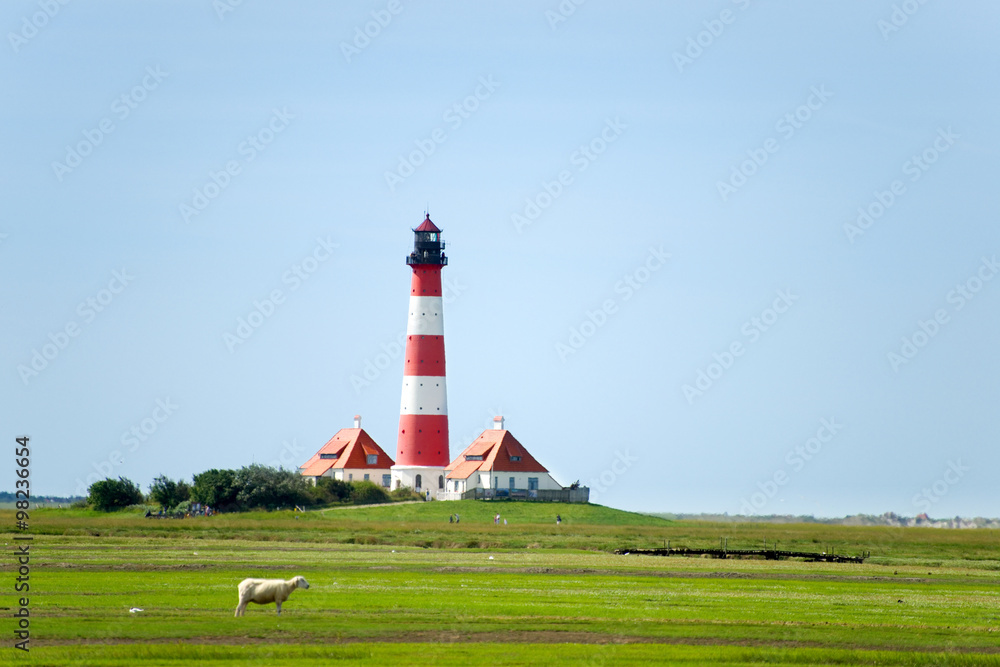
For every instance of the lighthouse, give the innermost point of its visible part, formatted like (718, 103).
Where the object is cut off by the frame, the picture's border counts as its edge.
(422, 440)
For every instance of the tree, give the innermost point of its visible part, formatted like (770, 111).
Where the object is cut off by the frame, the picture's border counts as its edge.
(168, 493)
(261, 486)
(109, 494)
(216, 488)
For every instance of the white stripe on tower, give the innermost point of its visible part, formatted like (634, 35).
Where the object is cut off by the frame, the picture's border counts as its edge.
(424, 395)
(426, 316)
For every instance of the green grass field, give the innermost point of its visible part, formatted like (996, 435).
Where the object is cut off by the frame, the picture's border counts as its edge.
(400, 583)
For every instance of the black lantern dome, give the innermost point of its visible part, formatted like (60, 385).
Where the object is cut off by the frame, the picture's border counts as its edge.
(428, 248)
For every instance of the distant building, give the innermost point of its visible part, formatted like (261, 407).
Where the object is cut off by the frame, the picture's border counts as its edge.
(498, 463)
(350, 456)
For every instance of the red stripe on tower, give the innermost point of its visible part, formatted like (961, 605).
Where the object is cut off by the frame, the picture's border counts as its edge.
(423, 411)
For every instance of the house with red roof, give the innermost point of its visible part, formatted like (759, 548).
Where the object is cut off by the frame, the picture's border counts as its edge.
(497, 462)
(350, 456)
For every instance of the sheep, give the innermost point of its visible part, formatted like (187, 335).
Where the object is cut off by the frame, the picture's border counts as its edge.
(266, 591)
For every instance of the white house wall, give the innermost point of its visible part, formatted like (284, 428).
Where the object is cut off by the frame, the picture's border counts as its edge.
(358, 474)
(484, 480)
(403, 476)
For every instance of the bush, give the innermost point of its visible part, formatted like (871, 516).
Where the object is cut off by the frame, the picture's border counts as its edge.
(181, 509)
(368, 493)
(108, 494)
(330, 490)
(143, 508)
(404, 493)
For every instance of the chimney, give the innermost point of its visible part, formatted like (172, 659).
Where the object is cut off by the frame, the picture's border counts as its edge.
(357, 421)
(498, 423)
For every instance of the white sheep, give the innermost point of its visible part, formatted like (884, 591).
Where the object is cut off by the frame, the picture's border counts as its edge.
(266, 591)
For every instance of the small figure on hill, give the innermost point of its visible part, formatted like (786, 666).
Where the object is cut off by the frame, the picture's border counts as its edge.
(558, 519)
(451, 518)
(457, 518)
(505, 522)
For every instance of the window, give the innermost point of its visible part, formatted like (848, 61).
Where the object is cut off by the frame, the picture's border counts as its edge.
(456, 486)
(473, 457)
(440, 481)
(350, 477)
(511, 483)
(371, 459)
(366, 477)
(515, 459)
(532, 484)
(417, 486)
(328, 456)
(386, 481)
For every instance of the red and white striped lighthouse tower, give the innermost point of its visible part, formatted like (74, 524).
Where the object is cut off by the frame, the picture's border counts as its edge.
(422, 445)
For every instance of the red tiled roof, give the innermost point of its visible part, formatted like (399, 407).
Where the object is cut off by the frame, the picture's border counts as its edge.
(427, 226)
(352, 447)
(316, 467)
(496, 447)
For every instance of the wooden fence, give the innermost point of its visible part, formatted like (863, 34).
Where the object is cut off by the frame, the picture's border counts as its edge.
(568, 495)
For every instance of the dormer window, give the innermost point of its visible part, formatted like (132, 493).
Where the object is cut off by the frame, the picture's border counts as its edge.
(328, 456)
(515, 458)
(371, 459)
(473, 457)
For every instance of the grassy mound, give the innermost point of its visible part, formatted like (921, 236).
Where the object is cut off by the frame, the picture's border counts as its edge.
(479, 512)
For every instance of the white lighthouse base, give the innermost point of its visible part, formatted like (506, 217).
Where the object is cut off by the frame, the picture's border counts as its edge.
(427, 481)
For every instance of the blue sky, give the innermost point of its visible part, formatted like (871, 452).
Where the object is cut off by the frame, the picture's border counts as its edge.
(657, 272)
